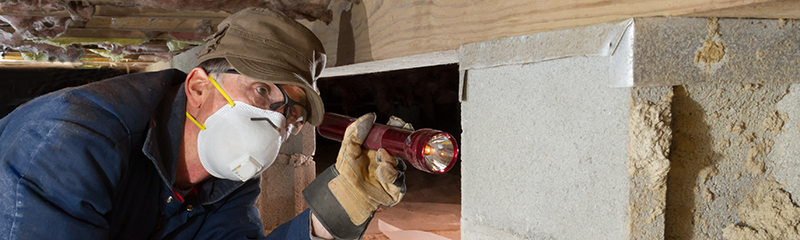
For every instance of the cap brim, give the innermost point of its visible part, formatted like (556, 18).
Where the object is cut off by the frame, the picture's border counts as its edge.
(257, 71)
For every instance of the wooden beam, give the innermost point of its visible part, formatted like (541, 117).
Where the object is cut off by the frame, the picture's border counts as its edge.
(146, 24)
(137, 24)
(115, 33)
(12, 63)
(130, 22)
(378, 30)
(773, 9)
(123, 22)
(103, 11)
(148, 12)
(111, 33)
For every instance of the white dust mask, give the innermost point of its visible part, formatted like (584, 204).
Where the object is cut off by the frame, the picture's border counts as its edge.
(239, 141)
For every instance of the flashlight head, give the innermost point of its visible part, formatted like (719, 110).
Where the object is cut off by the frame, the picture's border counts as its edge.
(431, 150)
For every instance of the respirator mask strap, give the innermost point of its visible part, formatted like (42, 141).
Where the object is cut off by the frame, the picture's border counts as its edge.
(216, 85)
(225, 95)
(284, 132)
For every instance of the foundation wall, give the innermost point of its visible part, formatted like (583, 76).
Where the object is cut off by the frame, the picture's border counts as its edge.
(670, 128)
(722, 183)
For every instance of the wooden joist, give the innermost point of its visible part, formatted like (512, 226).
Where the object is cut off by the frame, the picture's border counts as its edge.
(378, 30)
(131, 66)
(158, 34)
(400, 29)
(104, 11)
(115, 33)
(770, 9)
(115, 22)
(146, 24)
(148, 12)
(120, 25)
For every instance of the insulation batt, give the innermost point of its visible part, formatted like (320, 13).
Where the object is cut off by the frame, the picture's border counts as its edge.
(27, 28)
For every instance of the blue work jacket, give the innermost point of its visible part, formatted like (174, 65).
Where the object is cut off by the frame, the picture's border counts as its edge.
(98, 162)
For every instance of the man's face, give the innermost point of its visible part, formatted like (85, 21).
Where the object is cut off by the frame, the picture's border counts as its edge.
(266, 96)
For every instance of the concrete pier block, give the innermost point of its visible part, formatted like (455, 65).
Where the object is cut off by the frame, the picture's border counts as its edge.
(648, 128)
(283, 182)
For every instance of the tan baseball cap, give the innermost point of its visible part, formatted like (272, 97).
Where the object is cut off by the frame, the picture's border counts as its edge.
(270, 47)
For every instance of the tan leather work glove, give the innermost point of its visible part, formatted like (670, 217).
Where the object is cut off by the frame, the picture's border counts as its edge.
(345, 196)
(366, 177)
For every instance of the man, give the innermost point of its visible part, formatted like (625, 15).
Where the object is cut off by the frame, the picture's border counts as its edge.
(168, 155)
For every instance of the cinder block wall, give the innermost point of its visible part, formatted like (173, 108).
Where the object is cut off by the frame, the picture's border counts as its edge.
(656, 128)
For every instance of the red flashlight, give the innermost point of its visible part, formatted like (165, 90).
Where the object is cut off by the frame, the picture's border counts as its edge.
(428, 150)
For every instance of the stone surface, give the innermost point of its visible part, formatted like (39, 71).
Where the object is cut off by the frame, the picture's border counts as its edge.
(649, 146)
(545, 152)
(785, 164)
(707, 130)
(283, 182)
(723, 135)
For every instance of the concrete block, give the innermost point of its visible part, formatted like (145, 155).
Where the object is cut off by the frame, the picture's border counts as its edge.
(785, 166)
(545, 151)
(650, 139)
(652, 128)
(723, 136)
(282, 183)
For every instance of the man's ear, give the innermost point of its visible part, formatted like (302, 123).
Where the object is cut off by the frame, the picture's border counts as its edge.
(196, 87)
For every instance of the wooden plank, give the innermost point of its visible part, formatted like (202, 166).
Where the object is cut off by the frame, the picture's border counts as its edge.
(103, 11)
(146, 24)
(377, 30)
(148, 12)
(109, 32)
(19, 63)
(88, 57)
(115, 33)
(138, 24)
(774, 9)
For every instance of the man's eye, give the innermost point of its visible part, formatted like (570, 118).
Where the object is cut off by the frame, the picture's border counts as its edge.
(262, 90)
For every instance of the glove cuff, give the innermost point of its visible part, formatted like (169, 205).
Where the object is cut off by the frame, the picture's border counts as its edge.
(329, 211)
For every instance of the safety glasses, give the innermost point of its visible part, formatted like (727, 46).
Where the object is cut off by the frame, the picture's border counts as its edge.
(276, 99)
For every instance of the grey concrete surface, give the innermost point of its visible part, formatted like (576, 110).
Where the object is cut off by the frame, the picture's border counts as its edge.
(545, 152)
(786, 156)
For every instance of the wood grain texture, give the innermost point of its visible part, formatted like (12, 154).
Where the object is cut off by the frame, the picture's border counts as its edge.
(146, 24)
(771, 9)
(384, 29)
(142, 12)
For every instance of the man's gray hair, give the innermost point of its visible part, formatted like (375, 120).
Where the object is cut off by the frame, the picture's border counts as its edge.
(215, 66)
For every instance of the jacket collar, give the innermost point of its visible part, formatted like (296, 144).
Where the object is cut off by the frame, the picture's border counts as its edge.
(163, 142)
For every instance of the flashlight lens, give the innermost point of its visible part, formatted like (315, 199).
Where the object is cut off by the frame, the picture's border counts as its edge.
(438, 152)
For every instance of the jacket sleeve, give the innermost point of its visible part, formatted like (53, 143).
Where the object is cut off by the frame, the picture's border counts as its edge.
(238, 218)
(56, 179)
